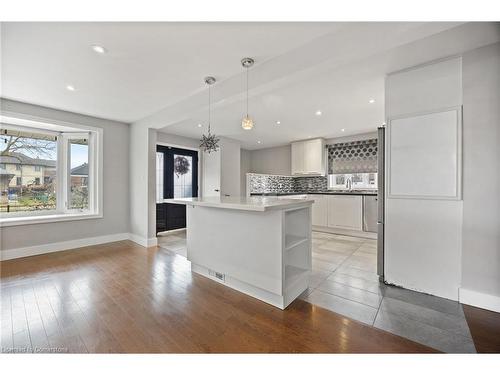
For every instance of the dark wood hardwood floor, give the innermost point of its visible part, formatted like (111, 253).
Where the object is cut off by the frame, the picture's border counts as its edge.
(123, 298)
(484, 327)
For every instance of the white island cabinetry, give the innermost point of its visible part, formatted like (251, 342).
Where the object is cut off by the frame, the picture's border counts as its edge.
(260, 246)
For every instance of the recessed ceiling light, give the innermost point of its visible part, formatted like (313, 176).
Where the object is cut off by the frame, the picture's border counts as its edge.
(70, 88)
(371, 101)
(278, 122)
(342, 130)
(309, 136)
(318, 113)
(259, 142)
(200, 125)
(99, 49)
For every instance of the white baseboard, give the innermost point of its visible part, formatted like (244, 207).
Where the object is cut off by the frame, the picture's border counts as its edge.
(478, 299)
(22, 252)
(60, 246)
(146, 242)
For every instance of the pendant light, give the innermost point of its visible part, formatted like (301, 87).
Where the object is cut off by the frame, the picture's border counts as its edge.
(247, 122)
(209, 143)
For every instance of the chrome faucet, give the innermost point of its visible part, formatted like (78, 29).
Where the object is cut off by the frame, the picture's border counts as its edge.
(348, 184)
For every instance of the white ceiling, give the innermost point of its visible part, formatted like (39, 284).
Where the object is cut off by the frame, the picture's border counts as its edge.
(148, 65)
(153, 73)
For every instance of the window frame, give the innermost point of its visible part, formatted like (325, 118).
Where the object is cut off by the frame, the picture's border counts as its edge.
(66, 178)
(64, 131)
(364, 185)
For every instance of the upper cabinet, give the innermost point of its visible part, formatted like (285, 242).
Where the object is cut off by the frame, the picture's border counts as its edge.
(308, 158)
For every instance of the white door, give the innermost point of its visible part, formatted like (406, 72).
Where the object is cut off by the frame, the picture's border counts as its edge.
(211, 174)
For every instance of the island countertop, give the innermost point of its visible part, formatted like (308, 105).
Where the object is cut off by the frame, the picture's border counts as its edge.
(254, 203)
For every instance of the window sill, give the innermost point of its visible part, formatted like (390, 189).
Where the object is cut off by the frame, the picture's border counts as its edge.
(54, 218)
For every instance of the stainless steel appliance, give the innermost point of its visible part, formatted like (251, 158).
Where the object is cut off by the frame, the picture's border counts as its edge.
(381, 201)
(370, 213)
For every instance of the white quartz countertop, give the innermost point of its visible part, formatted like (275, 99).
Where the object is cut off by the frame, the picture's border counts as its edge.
(243, 203)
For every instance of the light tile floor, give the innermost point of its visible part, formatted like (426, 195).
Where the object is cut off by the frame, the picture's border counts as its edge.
(344, 280)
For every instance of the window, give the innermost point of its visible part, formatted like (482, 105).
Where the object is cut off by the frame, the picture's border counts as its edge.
(2, 165)
(62, 180)
(79, 162)
(20, 190)
(183, 176)
(359, 181)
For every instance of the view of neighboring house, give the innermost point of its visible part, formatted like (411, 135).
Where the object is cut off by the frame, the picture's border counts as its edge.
(26, 171)
(79, 175)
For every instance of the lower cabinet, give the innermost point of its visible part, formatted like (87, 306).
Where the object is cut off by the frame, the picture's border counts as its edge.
(338, 211)
(319, 210)
(345, 212)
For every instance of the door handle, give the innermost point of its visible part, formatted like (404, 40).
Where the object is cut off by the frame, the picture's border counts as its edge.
(227, 195)
(217, 190)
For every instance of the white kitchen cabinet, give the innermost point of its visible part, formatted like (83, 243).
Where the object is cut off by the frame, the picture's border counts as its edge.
(319, 210)
(308, 158)
(298, 158)
(345, 212)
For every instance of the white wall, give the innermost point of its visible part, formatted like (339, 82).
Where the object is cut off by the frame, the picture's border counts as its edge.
(116, 208)
(230, 167)
(142, 159)
(211, 165)
(245, 167)
(423, 236)
(177, 140)
(352, 138)
(481, 172)
(138, 181)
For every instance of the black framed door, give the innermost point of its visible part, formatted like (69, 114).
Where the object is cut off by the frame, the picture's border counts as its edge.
(180, 180)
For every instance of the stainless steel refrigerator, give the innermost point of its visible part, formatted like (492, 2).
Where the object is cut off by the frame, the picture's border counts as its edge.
(381, 202)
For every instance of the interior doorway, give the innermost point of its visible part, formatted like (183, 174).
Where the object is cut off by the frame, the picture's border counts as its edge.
(176, 177)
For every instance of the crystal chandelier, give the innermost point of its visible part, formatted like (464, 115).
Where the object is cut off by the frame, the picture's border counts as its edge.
(209, 143)
(247, 122)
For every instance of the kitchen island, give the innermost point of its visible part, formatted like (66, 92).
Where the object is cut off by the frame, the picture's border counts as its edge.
(260, 246)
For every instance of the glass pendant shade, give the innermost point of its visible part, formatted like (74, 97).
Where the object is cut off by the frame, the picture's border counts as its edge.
(247, 123)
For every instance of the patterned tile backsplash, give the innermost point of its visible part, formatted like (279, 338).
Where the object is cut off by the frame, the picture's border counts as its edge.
(310, 184)
(263, 183)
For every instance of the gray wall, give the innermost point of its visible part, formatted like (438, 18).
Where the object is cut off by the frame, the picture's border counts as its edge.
(481, 171)
(116, 186)
(275, 160)
(278, 160)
